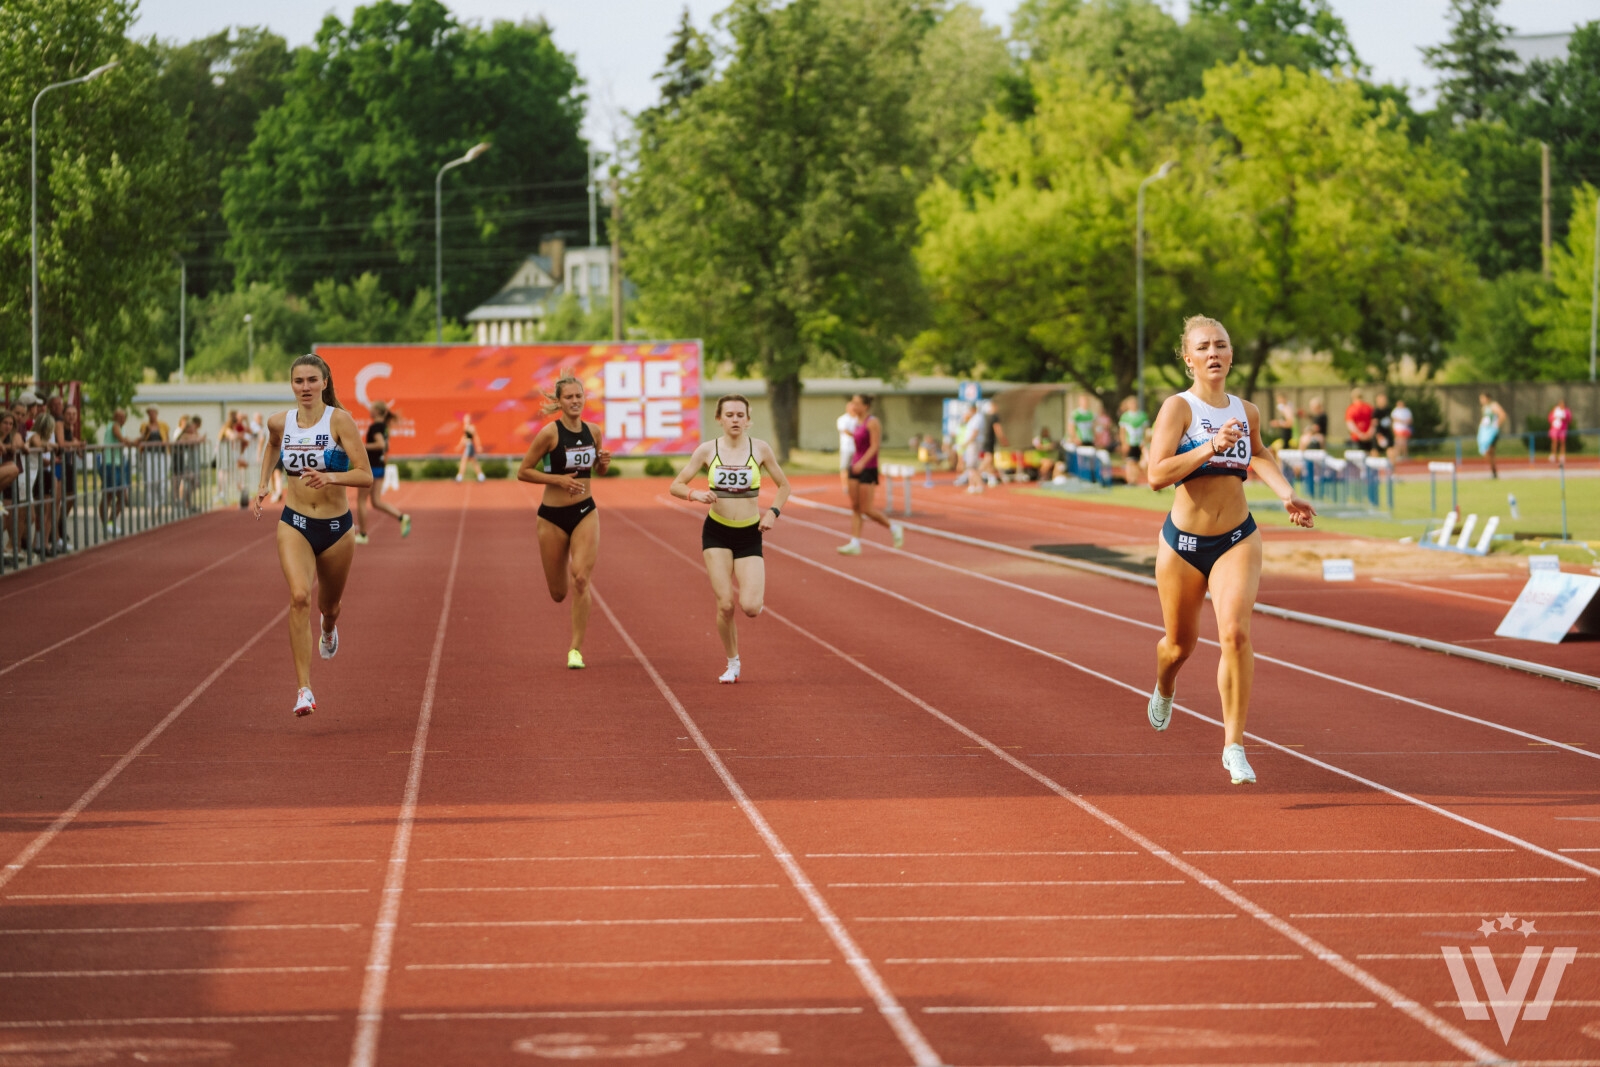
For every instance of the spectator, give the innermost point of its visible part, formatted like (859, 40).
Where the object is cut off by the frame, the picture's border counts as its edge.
(1560, 420)
(1043, 457)
(1382, 422)
(1402, 431)
(13, 482)
(1132, 425)
(1284, 419)
(68, 459)
(1358, 421)
(1104, 431)
(114, 467)
(846, 424)
(42, 442)
(186, 459)
(1315, 434)
(153, 436)
(994, 439)
(1083, 422)
(973, 432)
(1490, 424)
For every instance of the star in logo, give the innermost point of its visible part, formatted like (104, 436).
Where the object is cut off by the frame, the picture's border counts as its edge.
(1507, 921)
(1526, 928)
(1487, 928)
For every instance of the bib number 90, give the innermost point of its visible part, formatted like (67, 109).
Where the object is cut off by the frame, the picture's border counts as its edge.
(581, 459)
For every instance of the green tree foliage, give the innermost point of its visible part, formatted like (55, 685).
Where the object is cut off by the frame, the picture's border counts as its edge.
(1478, 79)
(363, 313)
(773, 211)
(218, 86)
(1564, 319)
(1287, 33)
(284, 327)
(1500, 195)
(339, 179)
(963, 65)
(1497, 340)
(1562, 108)
(1133, 43)
(113, 179)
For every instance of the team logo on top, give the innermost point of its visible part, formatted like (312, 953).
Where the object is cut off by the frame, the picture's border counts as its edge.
(1507, 1002)
(1188, 543)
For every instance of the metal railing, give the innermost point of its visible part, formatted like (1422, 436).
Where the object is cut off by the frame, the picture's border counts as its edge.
(71, 499)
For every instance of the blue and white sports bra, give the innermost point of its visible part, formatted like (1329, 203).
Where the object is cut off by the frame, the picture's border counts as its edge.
(313, 448)
(1204, 422)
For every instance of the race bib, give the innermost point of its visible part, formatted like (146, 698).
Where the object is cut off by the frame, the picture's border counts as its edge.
(581, 459)
(302, 458)
(731, 479)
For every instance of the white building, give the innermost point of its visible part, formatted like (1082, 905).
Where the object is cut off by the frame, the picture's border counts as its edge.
(517, 312)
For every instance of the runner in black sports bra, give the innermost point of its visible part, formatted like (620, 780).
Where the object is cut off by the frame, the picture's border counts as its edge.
(563, 457)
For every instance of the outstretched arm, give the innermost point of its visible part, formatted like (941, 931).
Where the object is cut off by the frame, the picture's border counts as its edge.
(680, 484)
(1265, 464)
(769, 463)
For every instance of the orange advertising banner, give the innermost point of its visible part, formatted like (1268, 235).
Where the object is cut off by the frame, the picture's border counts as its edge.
(644, 396)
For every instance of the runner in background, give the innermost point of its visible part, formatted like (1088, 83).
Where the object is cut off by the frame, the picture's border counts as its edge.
(469, 449)
(1382, 424)
(847, 446)
(1560, 420)
(1132, 426)
(971, 441)
(730, 538)
(1206, 442)
(864, 478)
(1493, 420)
(377, 442)
(319, 446)
(563, 457)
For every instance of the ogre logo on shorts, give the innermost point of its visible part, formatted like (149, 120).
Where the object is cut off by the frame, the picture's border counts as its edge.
(1186, 543)
(299, 521)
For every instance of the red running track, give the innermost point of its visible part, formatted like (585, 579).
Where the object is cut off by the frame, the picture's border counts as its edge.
(930, 826)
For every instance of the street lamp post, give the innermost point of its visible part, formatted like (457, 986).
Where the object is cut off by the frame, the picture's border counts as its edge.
(249, 343)
(183, 311)
(438, 235)
(34, 182)
(1138, 258)
(1594, 295)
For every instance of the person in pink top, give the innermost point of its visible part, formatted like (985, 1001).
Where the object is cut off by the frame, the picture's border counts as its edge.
(864, 477)
(1560, 420)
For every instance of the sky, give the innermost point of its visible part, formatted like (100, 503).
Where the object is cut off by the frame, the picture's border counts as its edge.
(619, 44)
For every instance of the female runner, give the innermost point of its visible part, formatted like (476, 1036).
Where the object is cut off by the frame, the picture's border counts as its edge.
(469, 449)
(377, 449)
(321, 450)
(864, 477)
(569, 525)
(1206, 442)
(730, 540)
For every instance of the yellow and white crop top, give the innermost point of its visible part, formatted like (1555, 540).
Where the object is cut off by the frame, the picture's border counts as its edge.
(735, 482)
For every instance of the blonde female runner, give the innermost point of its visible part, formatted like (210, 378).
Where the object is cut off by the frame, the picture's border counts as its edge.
(730, 539)
(563, 457)
(322, 451)
(1206, 441)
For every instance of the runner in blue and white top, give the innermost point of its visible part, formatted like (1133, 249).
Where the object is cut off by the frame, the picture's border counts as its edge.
(322, 452)
(1206, 442)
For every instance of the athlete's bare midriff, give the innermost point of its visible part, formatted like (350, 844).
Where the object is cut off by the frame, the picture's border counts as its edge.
(556, 496)
(1209, 505)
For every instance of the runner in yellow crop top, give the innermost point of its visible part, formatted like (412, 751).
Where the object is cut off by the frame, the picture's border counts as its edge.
(730, 539)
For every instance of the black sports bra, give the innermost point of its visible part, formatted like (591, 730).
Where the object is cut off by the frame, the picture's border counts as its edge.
(575, 452)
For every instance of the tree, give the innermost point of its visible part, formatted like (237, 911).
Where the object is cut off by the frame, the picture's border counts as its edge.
(1477, 74)
(773, 214)
(362, 313)
(339, 179)
(112, 185)
(962, 66)
(1500, 195)
(1564, 319)
(283, 327)
(1497, 339)
(217, 87)
(1561, 107)
(1288, 33)
(1136, 44)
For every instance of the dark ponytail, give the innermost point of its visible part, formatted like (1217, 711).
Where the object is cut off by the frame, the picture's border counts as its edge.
(311, 359)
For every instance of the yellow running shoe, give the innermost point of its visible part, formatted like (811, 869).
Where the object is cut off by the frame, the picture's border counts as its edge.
(574, 659)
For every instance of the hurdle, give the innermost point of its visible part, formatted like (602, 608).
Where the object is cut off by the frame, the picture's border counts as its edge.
(1436, 468)
(1463, 542)
(906, 474)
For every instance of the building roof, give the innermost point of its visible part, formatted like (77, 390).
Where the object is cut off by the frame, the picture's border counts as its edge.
(522, 302)
(1548, 47)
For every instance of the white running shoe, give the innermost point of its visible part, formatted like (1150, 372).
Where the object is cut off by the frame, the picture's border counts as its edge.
(730, 675)
(898, 532)
(329, 645)
(1160, 710)
(1238, 767)
(850, 548)
(480, 476)
(304, 702)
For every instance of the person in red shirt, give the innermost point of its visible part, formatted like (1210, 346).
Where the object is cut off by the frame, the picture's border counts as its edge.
(1358, 421)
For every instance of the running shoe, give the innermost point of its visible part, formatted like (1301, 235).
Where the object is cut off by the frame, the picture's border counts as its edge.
(851, 549)
(329, 645)
(304, 703)
(1160, 710)
(574, 659)
(480, 476)
(405, 526)
(730, 675)
(1238, 767)
(898, 532)
(458, 477)
(362, 538)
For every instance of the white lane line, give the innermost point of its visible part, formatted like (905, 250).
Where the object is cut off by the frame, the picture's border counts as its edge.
(586, 859)
(156, 971)
(63, 577)
(209, 894)
(640, 1013)
(1425, 914)
(1333, 851)
(135, 606)
(1140, 623)
(1426, 882)
(1079, 881)
(1393, 997)
(201, 1020)
(62, 821)
(1448, 592)
(910, 1036)
(619, 965)
(940, 855)
(1102, 959)
(189, 863)
(1143, 693)
(591, 888)
(341, 927)
(369, 1019)
(1090, 1009)
(609, 922)
(1431, 956)
(1137, 917)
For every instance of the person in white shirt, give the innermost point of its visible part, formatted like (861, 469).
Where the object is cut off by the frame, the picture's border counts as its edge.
(847, 424)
